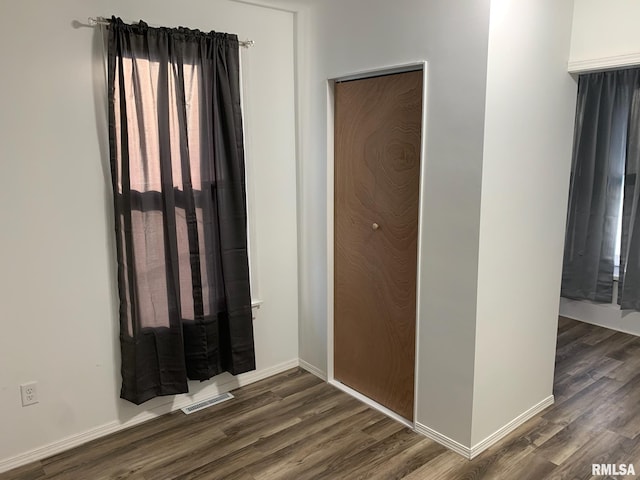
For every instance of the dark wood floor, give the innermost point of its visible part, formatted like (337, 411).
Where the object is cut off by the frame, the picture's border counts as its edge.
(293, 426)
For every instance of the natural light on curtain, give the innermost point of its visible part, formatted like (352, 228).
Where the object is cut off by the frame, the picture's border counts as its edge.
(177, 154)
(145, 176)
(602, 241)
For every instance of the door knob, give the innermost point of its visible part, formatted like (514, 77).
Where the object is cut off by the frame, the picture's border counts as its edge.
(375, 226)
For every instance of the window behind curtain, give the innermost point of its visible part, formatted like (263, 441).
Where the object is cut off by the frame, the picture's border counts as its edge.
(595, 245)
(177, 158)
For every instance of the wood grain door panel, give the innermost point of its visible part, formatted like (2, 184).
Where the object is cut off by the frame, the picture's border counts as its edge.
(377, 181)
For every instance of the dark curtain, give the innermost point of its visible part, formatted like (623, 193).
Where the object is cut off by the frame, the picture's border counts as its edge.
(177, 160)
(629, 284)
(596, 184)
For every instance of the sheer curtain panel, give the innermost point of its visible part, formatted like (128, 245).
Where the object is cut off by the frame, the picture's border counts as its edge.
(177, 161)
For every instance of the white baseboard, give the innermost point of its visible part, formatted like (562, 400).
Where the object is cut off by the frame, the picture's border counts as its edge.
(605, 315)
(477, 449)
(443, 440)
(498, 435)
(245, 379)
(313, 370)
(175, 403)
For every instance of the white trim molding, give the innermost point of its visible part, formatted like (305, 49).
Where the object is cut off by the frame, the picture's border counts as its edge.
(421, 235)
(291, 6)
(418, 65)
(312, 369)
(499, 434)
(175, 403)
(377, 72)
(604, 63)
(478, 448)
(443, 440)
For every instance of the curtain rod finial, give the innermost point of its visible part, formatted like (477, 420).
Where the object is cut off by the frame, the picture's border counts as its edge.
(96, 21)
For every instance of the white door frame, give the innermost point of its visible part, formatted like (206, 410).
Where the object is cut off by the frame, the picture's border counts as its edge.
(408, 67)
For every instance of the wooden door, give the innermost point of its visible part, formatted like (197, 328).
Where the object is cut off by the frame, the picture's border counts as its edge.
(377, 179)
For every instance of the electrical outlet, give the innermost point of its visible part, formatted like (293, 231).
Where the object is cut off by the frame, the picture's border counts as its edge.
(29, 393)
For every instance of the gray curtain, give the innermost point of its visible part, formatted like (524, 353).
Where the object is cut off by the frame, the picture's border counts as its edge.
(629, 285)
(177, 161)
(596, 183)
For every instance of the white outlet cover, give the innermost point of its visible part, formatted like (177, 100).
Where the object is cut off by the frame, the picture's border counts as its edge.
(29, 393)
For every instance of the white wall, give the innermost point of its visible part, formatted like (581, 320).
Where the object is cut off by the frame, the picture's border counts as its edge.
(57, 286)
(496, 186)
(54, 173)
(605, 29)
(356, 35)
(606, 315)
(525, 182)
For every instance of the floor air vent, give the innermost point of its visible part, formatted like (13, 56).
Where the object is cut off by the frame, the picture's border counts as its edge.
(207, 403)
